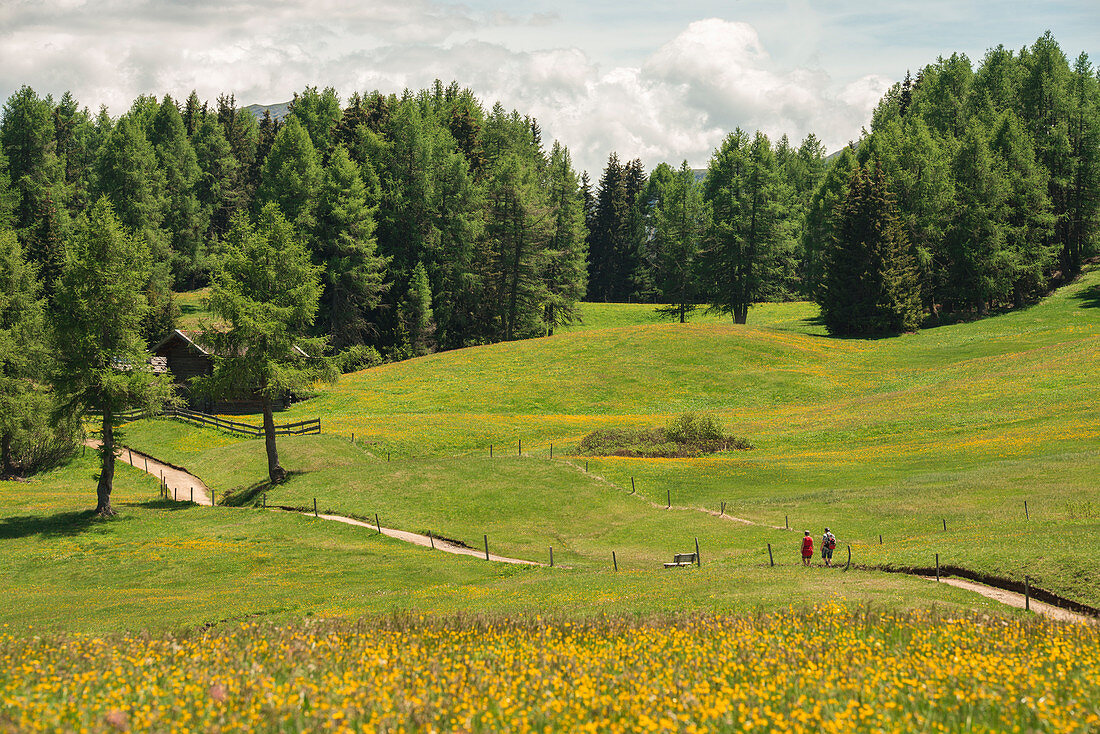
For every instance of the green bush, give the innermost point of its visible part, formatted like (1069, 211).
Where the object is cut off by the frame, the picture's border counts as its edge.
(685, 436)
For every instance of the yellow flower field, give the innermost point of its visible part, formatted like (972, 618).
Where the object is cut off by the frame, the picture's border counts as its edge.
(826, 669)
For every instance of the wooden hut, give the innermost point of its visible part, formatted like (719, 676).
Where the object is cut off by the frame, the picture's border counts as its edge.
(182, 354)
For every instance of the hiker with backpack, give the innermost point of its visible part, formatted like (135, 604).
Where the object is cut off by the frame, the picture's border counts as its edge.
(807, 548)
(828, 543)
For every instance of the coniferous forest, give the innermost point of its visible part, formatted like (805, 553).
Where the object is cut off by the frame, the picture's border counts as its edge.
(433, 223)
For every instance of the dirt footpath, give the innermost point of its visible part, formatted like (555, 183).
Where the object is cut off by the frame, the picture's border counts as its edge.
(1012, 599)
(182, 486)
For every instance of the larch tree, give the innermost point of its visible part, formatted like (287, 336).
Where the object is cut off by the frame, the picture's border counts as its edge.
(102, 360)
(564, 257)
(743, 190)
(129, 176)
(215, 190)
(292, 177)
(265, 293)
(28, 139)
(679, 222)
(184, 218)
(23, 351)
(353, 273)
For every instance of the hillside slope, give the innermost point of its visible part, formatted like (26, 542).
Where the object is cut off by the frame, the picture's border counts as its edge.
(932, 441)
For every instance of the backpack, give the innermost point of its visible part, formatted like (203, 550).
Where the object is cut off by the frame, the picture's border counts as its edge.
(830, 542)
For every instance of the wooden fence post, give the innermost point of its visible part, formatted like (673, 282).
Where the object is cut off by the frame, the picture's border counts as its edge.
(849, 564)
(378, 523)
(212, 501)
(1026, 515)
(551, 449)
(880, 538)
(486, 546)
(192, 495)
(698, 558)
(431, 539)
(668, 496)
(937, 567)
(586, 466)
(723, 509)
(551, 556)
(945, 524)
(787, 521)
(521, 447)
(1027, 593)
(490, 451)
(315, 507)
(614, 560)
(265, 500)
(771, 559)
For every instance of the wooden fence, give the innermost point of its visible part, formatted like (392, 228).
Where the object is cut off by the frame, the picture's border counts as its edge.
(205, 419)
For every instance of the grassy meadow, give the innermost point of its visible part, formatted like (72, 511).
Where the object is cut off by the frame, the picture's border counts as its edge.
(892, 437)
(180, 617)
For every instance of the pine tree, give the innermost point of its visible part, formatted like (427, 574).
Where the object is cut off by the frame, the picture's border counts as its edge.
(193, 114)
(1027, 219)
(243, 132)
(76, 147)
(743, 190)
(519, 228)
(1083, 193)
(129, 176)
(415, 314)
(27, 136)
(292, 177)
(606, 238)
(9, 195)
(184, 218)
(103, 365)
(353, 274)
(1046, 107)
(23, 353)
(679, 221)
(265, 294)
(564, 272)
(319, 113)
(979, 268)
(216, 190)
(870, 274)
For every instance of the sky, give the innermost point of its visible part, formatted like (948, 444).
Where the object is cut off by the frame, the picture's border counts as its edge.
(660, 81)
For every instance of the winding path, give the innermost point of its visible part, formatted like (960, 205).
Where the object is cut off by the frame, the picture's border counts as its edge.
(186, 487)
(183, 486)
(1009, 598)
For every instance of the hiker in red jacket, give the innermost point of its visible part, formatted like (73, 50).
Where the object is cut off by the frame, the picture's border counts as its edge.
(807, 548)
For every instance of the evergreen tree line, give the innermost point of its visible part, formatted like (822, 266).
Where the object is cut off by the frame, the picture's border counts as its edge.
(727, 236)
(987, 184)
(436, 223)
(974, 190)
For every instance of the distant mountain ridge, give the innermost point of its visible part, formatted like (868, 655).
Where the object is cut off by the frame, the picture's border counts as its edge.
(279, 110)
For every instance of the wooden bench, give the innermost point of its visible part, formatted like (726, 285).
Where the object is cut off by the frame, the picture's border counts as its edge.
(683, 559)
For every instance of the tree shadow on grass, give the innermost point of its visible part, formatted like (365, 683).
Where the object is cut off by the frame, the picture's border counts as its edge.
(163, 504)
(253, 495)
(1090, 297)
(62, 524)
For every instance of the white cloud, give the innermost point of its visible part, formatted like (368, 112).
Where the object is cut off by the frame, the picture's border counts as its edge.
(677, 103)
